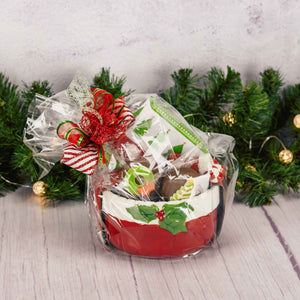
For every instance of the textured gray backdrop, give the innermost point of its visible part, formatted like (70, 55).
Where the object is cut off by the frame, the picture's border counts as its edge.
(147, 40)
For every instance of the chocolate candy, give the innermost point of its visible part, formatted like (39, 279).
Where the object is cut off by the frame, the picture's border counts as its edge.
(173, 181)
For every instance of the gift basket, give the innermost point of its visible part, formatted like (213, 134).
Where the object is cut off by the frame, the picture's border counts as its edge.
(156, 186)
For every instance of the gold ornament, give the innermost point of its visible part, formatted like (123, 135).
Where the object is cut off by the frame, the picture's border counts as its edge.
(297, 121)
(286, 156)
(229, 119)
(239, 184)
(269, 201)
(39, 188)
(250, 168)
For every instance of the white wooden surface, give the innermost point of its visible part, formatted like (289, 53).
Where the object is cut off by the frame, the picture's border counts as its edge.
(51, 253)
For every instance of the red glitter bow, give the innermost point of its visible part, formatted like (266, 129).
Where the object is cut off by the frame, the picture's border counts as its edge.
(103, 120)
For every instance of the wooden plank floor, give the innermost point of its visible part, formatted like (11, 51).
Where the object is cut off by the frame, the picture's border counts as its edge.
(51, 253)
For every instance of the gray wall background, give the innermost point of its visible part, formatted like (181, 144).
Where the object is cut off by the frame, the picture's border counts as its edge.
(147, 40)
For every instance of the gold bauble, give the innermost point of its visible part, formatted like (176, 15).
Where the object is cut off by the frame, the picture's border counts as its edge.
(239, 184)
(39, 188)
(229, 119)
(286, 156)
(297, 121)
(250, 168)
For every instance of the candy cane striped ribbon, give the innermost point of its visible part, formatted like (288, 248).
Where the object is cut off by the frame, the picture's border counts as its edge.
(83, 159)
(104, 119)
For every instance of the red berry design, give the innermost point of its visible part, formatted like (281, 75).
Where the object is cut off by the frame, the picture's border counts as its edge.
(160, 215)
(220, 177)
(195, 167)
(223, 170)
(217, 173)
(173, 156)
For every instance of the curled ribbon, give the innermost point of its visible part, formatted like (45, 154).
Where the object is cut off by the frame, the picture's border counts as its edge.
(104, 119)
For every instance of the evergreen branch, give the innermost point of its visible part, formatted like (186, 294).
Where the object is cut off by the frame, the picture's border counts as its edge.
(36, 87)
(223, 87)
(9, 97)
(58, 190)
(22, 160)
(258, 190)
(219, 91)
(10, 129)
(285, 176)
(289, 104)
(259, 110)
(16, 159)
(252, 113)
(110, 83)
(271, 82)
(64, 184)
(9, 103)
(183, 95)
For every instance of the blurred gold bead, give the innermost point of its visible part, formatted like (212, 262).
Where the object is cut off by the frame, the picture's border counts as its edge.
(239, 184)
(297, 121)
(286, 156)
(229, 119)
(39, 188)
(250, 168)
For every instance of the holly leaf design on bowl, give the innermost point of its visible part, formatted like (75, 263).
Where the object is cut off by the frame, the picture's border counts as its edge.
(143, 213)
(172, 217)
(175, 217)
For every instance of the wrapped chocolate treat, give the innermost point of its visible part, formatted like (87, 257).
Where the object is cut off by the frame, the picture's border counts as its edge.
(156, 186)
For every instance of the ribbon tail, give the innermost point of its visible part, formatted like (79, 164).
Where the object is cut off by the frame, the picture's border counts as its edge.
(83, 159)
(101, 155)
(72, 133)
(123, 113)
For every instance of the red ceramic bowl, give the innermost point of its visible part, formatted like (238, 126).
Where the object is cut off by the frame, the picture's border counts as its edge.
(161, 229)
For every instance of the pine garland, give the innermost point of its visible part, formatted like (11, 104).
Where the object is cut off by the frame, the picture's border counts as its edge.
(217, 102)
